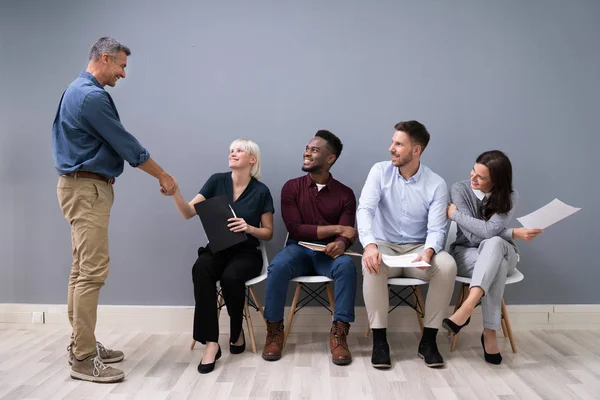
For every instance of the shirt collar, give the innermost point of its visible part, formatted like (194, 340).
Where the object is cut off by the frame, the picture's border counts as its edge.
(87, 75)
(480, 195)
(309, 182)
(414, 178)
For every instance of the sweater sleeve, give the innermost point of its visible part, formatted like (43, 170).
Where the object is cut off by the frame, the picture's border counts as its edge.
(482, 228)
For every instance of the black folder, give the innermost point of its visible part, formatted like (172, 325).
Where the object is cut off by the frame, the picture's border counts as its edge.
(214, 213)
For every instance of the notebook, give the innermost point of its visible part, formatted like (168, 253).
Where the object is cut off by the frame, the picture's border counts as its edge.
(214, 213)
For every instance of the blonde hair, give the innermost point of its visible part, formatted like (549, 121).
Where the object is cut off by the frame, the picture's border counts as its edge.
(251, 148)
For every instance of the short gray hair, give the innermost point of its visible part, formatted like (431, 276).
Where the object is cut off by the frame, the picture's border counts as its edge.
(107, 45)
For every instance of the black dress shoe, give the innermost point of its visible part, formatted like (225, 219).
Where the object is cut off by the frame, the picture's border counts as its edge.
(448, 324)
(380, 358)
(495, 359)
(206, 368)
(233, 349)
(429, 352)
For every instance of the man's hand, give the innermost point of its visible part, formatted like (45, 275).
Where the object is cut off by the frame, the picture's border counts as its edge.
(168, 184)
(238, 225)
(348, 232)
(526, 234)
(372, 259)
(424, 256)
(335, 249)
(451, 209)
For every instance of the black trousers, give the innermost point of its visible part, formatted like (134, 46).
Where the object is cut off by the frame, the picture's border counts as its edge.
(233, 267)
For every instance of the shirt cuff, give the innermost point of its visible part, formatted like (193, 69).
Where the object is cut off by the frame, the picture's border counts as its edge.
(367, 240)
(344, 240)
(436, 248)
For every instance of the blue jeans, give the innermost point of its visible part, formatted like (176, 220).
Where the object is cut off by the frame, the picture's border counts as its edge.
(294, 261)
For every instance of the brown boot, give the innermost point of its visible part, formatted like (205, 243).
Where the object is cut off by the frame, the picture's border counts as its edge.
(274, 342)
(340, 354)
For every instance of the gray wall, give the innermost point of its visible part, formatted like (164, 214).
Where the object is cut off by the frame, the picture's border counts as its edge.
(521, 76)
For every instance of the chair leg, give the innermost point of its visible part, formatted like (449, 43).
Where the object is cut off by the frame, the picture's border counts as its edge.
(219, 304)
(331, 299)
(420, 298)
(249, 323)
(418, 305)
(503, 325)
(288, 326)
(260, 307)
(459, 301)
(193, 344)
(508, 328)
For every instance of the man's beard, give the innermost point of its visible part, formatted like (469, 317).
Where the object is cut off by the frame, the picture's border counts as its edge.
(402, 161)
(312, 168)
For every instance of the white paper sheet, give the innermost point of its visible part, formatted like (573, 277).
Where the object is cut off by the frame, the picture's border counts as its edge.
(404, 261)
(549, 214)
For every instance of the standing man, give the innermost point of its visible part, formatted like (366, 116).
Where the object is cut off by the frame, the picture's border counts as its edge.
(316, 208)
(89, 146)
(402, 210)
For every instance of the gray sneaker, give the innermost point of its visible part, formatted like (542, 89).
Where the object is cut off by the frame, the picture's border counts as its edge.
(92, 369)
(108, 356)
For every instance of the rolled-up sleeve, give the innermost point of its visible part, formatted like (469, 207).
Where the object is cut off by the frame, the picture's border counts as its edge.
(103, 122)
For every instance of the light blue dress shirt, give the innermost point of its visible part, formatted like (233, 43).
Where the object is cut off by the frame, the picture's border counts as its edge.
(398, 211)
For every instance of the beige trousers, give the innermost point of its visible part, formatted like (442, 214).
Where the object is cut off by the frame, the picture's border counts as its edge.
(86, 204)
(440, 276)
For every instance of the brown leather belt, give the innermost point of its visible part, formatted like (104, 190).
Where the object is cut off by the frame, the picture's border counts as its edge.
(91, 175)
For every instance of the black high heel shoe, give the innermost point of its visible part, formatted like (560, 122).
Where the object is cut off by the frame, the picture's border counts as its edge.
(448, 324)
(206, 368)
(495, 359)
(233, 349)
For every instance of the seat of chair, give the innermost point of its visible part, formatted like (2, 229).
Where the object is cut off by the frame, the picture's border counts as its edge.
(251, 282)
(515, 277)
(312, 279)
(406, 282)
(256, 280)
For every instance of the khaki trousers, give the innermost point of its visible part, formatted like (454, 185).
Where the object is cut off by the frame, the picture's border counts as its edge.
(440, 276)
(86, 204)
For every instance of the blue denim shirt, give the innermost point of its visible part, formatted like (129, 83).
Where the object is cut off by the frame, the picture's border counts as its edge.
(87, 133)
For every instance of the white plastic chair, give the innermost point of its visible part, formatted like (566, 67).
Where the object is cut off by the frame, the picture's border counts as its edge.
(416, 302)
(302, 282)
(465, 282)
(249, 302)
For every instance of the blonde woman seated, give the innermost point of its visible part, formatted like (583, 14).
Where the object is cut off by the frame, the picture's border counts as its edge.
(485, 249)
(253, 205)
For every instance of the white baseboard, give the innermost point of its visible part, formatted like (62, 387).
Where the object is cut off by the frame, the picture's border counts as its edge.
(309, 319)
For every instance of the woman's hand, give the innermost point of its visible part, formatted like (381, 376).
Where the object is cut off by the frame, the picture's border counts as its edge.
(239, 225)
(526, 234)
(451, 209)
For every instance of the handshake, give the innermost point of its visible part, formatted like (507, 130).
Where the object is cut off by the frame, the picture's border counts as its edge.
(168, 184)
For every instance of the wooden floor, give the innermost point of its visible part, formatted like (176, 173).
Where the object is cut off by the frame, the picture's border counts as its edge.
(550, 365)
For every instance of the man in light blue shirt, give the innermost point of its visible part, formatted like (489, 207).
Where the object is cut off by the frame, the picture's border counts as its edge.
(402, 210)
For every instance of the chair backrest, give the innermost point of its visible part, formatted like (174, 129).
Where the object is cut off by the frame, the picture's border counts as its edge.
(265, 257)
(451, 237)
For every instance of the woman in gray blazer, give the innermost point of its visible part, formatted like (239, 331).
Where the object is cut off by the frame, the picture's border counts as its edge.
(485, 249)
